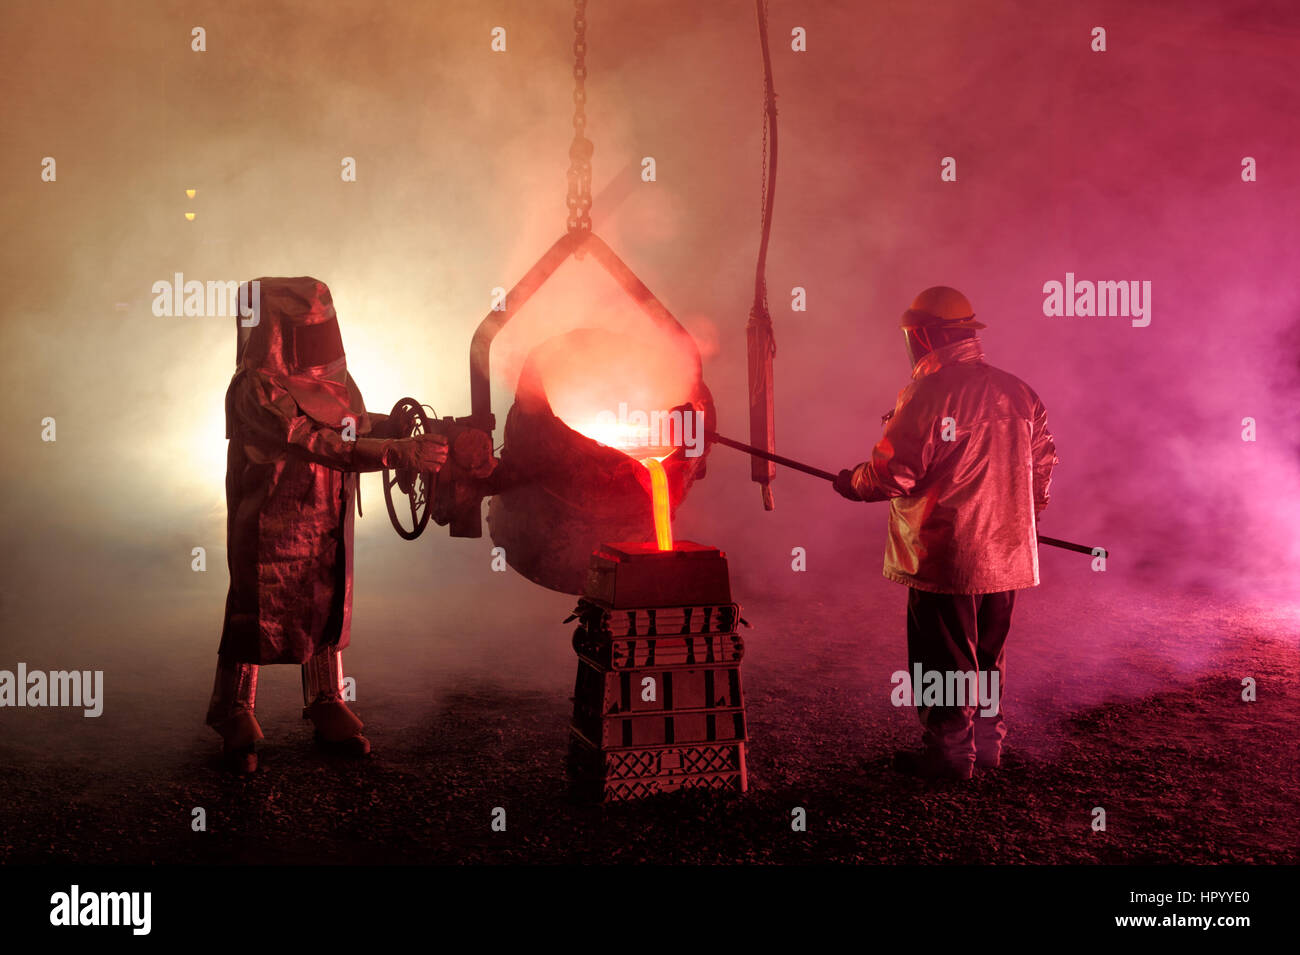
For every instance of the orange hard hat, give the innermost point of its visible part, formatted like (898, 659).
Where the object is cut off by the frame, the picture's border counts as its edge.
(940, 307)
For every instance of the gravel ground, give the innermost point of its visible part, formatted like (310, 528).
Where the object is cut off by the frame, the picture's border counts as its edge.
(1140, 718)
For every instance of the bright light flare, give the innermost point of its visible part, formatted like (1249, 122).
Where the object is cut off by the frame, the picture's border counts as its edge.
(613, 434)
(633, 440)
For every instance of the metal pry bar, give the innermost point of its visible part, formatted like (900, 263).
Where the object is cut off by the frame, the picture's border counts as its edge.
(828, 476)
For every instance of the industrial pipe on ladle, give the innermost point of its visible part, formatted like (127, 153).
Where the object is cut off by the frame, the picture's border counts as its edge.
(828, 476)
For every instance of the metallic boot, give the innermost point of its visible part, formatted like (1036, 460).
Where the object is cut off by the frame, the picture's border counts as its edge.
(337, 727)
(230, 713)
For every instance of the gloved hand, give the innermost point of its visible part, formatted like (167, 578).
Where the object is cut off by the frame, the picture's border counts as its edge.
(426, 453)
(844, 485)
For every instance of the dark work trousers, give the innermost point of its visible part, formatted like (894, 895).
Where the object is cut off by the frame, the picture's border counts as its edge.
(962, 633)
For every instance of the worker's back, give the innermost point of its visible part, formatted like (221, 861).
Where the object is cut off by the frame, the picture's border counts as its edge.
(971, 459)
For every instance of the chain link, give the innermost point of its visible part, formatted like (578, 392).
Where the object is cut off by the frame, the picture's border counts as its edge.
(579, 197)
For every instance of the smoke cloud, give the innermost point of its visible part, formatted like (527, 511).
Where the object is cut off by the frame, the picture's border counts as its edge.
(1116, 165)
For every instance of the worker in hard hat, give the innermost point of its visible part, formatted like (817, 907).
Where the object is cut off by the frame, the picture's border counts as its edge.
(966, 463)
(299, 434)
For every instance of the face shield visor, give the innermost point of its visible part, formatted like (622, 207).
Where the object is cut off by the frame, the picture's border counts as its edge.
(318, 349)
(917, 342)
(924, 332)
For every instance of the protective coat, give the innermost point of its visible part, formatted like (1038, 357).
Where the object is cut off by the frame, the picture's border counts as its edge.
(963, 512)
(291, 481)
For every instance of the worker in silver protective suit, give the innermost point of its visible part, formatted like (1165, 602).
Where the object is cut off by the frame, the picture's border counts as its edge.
(966, 463)
(299, 434)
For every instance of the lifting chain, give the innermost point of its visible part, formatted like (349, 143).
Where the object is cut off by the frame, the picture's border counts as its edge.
(579, 198)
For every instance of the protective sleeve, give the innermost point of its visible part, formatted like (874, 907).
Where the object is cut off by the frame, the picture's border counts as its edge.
(271, 418)
(381, 426)
(901, 456)
(1043, 447)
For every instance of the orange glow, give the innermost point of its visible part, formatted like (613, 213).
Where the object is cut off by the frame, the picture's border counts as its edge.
(633, 441)
(659, 496)
(617, 390)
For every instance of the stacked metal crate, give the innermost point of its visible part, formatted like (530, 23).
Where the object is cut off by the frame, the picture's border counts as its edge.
(658, 704)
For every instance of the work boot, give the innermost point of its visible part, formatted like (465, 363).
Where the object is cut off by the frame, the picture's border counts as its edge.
(989, 733)
(947, 746)
(242, 761)
(988, 758)
(932, 764)
(230, 714)
(337, 728)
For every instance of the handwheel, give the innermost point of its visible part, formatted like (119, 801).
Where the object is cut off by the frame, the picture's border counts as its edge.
(408, 420)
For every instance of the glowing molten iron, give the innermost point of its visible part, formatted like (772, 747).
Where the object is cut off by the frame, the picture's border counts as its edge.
(598, 372)
(591, 406)
(634, 442)
(659, 497)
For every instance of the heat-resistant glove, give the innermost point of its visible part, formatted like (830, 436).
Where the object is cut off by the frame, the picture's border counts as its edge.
(426, 453)
(422, 453)
(844, 485)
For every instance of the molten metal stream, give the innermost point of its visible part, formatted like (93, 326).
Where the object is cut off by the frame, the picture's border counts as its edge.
(634, 441)
(659, 497)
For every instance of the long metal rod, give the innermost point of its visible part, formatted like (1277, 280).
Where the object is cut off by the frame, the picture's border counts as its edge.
(1066, 545)
(767, 456)
(828, 476)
